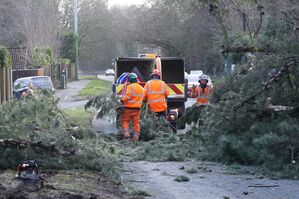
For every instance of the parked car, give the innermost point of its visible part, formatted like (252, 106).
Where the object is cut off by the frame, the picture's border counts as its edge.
(22, 85)
(109, 72)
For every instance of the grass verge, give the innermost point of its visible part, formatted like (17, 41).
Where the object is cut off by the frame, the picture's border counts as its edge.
(92, 77)
(79, 116)
(96, 88)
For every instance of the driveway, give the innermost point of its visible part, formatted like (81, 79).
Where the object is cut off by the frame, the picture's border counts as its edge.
(69, 97)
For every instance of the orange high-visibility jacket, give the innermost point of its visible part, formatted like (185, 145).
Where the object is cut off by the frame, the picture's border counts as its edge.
(203, 95)
(134, 96)
(156, 92)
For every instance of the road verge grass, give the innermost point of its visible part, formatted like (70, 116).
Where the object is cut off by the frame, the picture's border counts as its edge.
(79, 117)
(96, 88)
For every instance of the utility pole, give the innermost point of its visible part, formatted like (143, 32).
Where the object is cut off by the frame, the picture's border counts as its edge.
(76, 32)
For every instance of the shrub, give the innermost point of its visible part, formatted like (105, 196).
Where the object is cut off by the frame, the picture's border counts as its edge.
(40, 57)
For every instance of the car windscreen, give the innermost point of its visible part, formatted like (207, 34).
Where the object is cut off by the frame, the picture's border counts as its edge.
(42, 82)
(21, 84)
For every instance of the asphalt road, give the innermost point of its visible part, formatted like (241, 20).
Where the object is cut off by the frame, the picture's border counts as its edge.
(211, 181)
(69, 98)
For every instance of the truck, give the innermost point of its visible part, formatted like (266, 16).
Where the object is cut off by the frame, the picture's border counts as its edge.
(173, 74)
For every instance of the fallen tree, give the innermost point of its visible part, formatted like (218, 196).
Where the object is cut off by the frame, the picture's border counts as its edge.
(37, 146)
(253, 116)
(34, 128)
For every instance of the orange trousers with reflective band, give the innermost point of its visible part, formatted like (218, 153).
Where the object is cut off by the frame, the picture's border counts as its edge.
(127, 116)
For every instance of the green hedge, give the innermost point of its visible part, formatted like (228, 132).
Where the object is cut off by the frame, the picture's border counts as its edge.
(5, 57)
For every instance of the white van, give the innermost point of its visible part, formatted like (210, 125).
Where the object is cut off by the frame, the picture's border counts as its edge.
(196, 72)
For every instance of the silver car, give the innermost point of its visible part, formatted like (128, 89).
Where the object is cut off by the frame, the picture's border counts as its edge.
(37, 82)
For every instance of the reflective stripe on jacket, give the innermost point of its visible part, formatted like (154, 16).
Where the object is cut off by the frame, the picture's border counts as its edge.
(156, 92)
(134, 95)
(203, 95)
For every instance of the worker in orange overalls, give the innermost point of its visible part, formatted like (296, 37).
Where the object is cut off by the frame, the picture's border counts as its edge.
(132, 100)
(204, 90)
(156, 92)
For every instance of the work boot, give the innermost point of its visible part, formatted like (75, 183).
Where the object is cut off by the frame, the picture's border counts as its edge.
(127, 135)
(136, 136)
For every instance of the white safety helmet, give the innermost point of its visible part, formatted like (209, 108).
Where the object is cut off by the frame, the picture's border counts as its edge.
(203, 77)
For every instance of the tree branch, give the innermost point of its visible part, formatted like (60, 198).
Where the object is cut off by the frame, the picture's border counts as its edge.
(269, 82)
(11, 143)
(260, 9)
(245, 15)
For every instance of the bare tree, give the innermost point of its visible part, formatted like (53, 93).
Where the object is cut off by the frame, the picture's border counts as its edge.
(39, 22)
(9, 35)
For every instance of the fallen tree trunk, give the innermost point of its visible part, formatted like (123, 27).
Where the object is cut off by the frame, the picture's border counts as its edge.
(11, 143)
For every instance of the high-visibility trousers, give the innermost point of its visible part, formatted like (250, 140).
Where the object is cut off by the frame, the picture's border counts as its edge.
(127, 116)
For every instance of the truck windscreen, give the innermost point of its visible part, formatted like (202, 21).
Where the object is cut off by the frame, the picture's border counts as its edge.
(144, 67)
(173, 71)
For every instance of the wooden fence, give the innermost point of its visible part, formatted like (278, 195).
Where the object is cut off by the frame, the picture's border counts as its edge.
(8, 76)
(5, 84)
(54, 72)
(31, 72)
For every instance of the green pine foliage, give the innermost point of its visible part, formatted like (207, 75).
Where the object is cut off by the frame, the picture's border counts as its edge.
(37, 119)
(158, 142)
(247, 123)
